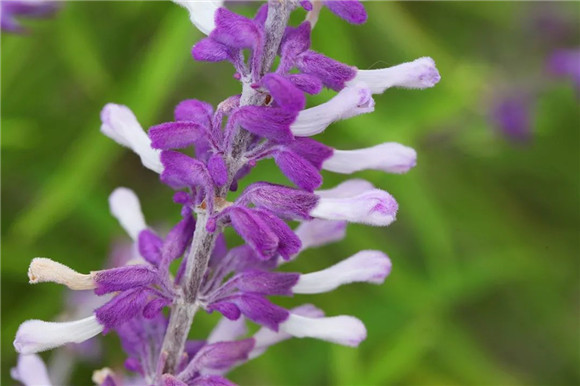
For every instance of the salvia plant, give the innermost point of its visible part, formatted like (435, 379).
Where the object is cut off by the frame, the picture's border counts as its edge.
(150, 308)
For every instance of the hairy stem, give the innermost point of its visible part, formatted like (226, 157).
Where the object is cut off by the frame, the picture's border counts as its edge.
(185, 306)
(276, 22)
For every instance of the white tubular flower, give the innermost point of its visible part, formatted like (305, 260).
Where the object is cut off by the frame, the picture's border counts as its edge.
(315, 233)
(120, 124)
(265, 337)
(30, 371)
(349, 102)
(344, 330)
(43, 270)
(390, 157)
(365, 266)
(373, 207)
(36, 335)
(419, 74)
(348, 188)
(201, 13)
(228, 330)
(125, 207)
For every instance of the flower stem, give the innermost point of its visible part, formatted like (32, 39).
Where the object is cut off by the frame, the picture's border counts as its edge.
(186, 306)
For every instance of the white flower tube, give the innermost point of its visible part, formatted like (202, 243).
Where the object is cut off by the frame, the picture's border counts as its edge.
(120, 124)
(390, 157)
(419, 74)
(373, 207)
(348, 188)
(315, 233)
(344, 330)
(36, 335)
(125, 207)
(349, 102)
(265, 337)
(201, 13)
(43, 270)
(365, 266)
(228, 330)
(30, 371)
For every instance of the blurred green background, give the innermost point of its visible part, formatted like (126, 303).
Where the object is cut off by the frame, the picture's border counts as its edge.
(485, 282)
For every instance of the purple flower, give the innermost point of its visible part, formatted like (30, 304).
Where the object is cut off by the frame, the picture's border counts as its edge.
(286, 202)
(350, 10)
(254, 231)
(11, 10)
(566, 64)
(218, 356)
(284, 92)
(513, 116)
(268, 122)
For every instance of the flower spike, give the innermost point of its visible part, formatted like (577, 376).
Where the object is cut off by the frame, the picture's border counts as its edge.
(150, 301)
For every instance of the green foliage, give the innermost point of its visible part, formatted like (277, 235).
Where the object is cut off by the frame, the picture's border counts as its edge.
(485, 249)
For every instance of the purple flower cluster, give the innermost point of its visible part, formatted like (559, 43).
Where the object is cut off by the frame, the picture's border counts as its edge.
(11, 10)
(565, 63)
(269, 119)
(513, 106)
